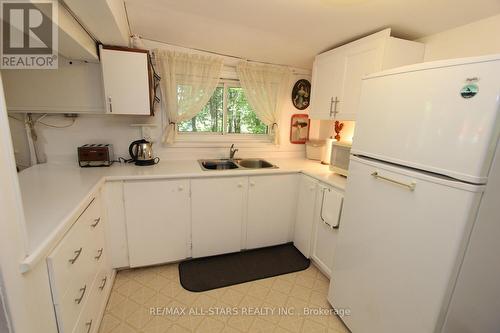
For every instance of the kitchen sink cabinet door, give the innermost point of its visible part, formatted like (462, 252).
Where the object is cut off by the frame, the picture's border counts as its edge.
(217, 206)
(327, 224)
(305, 214)
(271, 210)
(158, 221)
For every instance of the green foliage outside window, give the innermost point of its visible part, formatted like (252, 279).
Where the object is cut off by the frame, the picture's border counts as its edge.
(240, 118)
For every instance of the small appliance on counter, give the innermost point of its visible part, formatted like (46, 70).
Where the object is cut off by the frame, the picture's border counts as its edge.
(314, 149)
(141, 152)
(95, 155)
(339, 158)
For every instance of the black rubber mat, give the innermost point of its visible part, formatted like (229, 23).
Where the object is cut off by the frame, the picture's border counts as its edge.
(202, 274)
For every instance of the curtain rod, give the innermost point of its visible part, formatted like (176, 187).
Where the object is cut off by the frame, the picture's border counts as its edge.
(294, 70)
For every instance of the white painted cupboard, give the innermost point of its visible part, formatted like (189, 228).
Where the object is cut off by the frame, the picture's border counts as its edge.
(217, 208)
(318, 221)
(306, 209)
(80, 274)
(127, 80)
(271, 210)
(327, 225)
(158, 221)
(337, 74)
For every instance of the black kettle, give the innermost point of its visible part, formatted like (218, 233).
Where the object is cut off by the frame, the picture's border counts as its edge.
(141, 152)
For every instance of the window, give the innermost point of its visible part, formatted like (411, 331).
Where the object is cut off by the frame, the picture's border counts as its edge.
(227, 112)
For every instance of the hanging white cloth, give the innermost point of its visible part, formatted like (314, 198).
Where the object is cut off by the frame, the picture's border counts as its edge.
(265, 87)
(187, 83)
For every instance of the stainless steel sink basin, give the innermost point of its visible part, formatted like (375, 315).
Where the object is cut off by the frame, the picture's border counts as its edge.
(255, 163)
(217, 164)
(225, 164)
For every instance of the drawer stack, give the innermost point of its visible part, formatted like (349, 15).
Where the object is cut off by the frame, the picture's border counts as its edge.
(79, 274)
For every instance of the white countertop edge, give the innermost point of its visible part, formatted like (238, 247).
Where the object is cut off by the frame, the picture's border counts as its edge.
(42, 251)
(58, 233)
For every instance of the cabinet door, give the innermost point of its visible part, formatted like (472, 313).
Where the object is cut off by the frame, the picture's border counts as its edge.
(271, 210)
(360, 60)
(305, 214)
(217, 215)
(326, 229)
(126, 82)
(327, 81)
(157, 218)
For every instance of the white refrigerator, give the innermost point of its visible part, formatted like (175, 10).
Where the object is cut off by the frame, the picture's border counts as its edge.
(419, 239)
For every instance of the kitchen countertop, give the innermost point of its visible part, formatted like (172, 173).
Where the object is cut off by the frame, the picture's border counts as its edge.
(53, 194)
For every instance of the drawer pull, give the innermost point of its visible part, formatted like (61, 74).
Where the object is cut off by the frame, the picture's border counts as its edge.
(82, 290)
(89, 325)
(75, 258)
(99, 255)
(104, 281)
(96, 222)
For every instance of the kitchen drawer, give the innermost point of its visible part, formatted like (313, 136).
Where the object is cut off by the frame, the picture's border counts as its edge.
(88, 322)
(68, 308)
(66, 262)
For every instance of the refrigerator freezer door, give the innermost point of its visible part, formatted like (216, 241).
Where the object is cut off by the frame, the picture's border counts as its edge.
(427, 120)
(399, 249)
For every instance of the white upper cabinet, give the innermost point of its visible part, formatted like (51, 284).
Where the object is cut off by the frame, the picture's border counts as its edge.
(337, 74)
(271, 210)
(127, 77)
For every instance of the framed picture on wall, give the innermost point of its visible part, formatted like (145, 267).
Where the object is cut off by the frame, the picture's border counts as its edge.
(301, 93)
(299, 128)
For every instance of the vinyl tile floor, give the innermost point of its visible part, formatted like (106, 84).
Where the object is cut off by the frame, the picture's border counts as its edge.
(152, 300)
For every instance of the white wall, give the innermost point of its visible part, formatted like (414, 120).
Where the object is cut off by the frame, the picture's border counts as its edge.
(61, 144)
(474, 39)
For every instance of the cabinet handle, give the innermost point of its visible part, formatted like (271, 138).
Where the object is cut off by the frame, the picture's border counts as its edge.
(104, 281)
(110, 103)
(181, 188)
(312, 188)
(240, 185)
(252, 183)
(89, 325)
(82, 290)
(322, 204)
(75, 258)
(96, 222)
(333, 106)
(99, 255)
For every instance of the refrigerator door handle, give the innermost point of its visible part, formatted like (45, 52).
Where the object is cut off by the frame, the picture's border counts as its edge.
(411, 186)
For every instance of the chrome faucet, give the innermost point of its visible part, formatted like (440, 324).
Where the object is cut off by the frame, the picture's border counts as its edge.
(232, 151)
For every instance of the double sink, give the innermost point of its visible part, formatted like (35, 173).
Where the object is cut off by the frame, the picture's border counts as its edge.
(230, 164)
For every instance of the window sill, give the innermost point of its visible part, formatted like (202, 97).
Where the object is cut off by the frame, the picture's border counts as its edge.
(218, 141)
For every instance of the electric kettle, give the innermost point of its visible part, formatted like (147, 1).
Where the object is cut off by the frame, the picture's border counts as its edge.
(141, 152)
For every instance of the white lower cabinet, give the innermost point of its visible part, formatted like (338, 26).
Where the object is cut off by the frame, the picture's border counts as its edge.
(217, 215)
(158, 219)
(271, 209)
(327, 224)
(306, 209)
(74, 266)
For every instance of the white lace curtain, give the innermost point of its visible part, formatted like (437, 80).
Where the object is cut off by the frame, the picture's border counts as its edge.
(265, 86)
(187, 83)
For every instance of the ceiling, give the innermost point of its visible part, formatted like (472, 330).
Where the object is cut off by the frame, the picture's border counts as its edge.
(291, 32)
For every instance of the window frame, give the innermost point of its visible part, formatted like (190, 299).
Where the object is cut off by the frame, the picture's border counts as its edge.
(223, 136)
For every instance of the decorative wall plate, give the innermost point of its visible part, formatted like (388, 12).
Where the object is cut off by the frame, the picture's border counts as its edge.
(301, 94)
